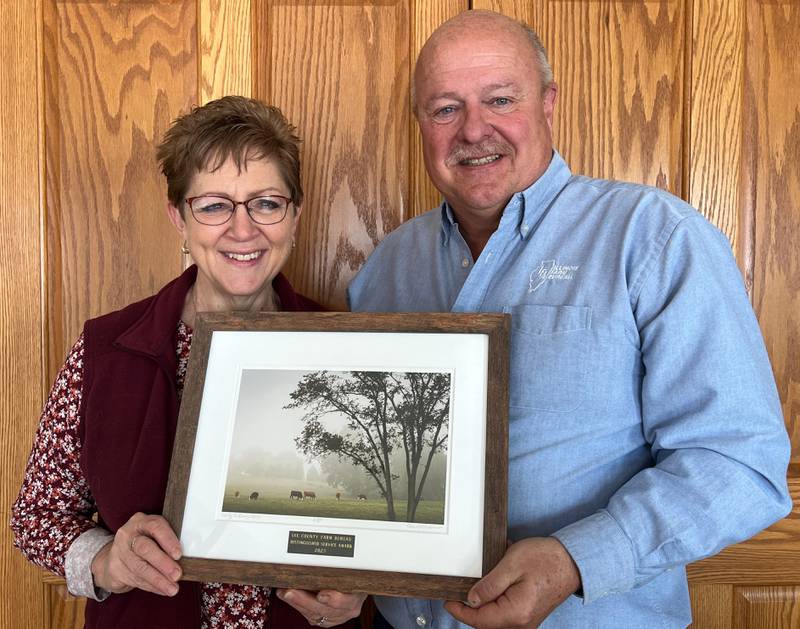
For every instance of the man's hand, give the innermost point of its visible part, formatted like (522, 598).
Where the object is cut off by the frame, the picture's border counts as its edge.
(326, 608)
(531, 580)
(143, 555)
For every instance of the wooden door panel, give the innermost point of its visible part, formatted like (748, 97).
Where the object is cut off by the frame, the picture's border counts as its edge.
(766, 607)
(61, 609)
(116, 74)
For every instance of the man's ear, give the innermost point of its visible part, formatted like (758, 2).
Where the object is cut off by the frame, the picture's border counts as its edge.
(550, 97)
(176, 219)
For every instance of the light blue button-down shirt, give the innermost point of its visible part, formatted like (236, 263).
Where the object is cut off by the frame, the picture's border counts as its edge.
(645, 429)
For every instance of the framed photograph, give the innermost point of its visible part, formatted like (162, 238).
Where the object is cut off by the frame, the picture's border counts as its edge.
(356, 451)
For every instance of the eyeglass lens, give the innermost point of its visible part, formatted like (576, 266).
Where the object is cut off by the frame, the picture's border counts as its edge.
(212, 210)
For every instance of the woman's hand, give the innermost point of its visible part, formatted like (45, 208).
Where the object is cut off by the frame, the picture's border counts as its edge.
(143, 555)
(326, 608)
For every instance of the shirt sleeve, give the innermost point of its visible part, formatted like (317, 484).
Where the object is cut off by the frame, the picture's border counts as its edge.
(55, 506)
(78, 563)
(711, 414)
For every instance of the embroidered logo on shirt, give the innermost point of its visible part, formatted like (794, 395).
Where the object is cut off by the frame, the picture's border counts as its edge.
(550, 270)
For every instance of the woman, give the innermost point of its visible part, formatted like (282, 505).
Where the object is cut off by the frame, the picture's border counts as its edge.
(105, 437)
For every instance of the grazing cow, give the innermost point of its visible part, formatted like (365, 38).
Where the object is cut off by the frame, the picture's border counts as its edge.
(310, 495)
(295, 495)
(338, 495)
(362, 497)
(236, 494)
(254, 496)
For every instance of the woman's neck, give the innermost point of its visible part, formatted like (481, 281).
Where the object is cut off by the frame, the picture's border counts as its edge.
(200, 300)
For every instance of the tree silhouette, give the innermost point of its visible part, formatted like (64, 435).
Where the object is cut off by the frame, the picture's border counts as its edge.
(384, 411)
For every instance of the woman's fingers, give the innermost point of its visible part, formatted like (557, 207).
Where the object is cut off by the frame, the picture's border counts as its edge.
(141, 556)
(151, 568)
(157, 528)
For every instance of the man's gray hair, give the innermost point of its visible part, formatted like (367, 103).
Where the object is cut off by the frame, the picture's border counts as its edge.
(545, 70)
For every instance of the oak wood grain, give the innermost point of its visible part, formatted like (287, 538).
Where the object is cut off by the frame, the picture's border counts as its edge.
(771, 180)
(62, 610)
(116, 74)
(21, 373)
(340, 72)
(715, 125)
(711, 605)
(766, 607)
(619, 66)
(225, 48)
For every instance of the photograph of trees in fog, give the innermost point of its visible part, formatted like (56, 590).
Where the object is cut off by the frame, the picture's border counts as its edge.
(368, 445)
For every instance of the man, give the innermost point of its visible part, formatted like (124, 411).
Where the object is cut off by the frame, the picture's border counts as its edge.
(645, 431)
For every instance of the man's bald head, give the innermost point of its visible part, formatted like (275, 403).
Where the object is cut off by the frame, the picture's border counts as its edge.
(487, 23)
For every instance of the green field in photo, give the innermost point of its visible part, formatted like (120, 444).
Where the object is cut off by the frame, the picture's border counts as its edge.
(275, 500)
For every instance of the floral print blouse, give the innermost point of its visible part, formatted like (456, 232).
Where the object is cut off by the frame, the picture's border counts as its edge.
(55, 505)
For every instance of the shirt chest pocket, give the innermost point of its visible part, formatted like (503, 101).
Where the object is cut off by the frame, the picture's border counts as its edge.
(549, 351)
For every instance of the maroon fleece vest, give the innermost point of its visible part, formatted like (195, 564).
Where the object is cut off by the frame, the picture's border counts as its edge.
(130, 410)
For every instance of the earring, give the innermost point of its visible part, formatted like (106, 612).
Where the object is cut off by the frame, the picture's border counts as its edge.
(185, 248)
(294, 244)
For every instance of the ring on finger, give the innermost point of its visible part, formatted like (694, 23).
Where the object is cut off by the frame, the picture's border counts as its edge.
(133, 542)
(321, 621)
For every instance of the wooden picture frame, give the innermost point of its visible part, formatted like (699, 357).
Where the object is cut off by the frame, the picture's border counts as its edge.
(238, 363)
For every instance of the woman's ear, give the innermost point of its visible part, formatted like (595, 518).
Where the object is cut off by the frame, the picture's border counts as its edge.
(176, 219)
(298, 209)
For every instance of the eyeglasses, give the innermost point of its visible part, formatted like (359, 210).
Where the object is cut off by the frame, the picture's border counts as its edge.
(217, 210)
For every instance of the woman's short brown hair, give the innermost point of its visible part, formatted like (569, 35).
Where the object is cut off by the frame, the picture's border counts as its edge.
(230, 127)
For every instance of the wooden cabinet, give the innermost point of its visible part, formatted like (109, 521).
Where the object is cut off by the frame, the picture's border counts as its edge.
(700, 98)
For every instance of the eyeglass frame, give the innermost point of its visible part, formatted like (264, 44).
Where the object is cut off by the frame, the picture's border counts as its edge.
(236, 204)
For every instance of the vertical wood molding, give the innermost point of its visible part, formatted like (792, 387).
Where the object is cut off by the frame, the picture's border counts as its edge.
(771, 184)
(21, 372)
(711, 605)
(715, 94)
(225, 48)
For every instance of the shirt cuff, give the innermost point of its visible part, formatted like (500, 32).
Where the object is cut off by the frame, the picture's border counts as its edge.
(603, 554)
(78, 564)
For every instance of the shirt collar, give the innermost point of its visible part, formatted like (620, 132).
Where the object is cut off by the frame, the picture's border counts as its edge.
(537, 197)
(448, 222)
(533, 201)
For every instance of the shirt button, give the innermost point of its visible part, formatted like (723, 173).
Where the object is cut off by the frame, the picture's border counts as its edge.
(421, 621)
(465, 264)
